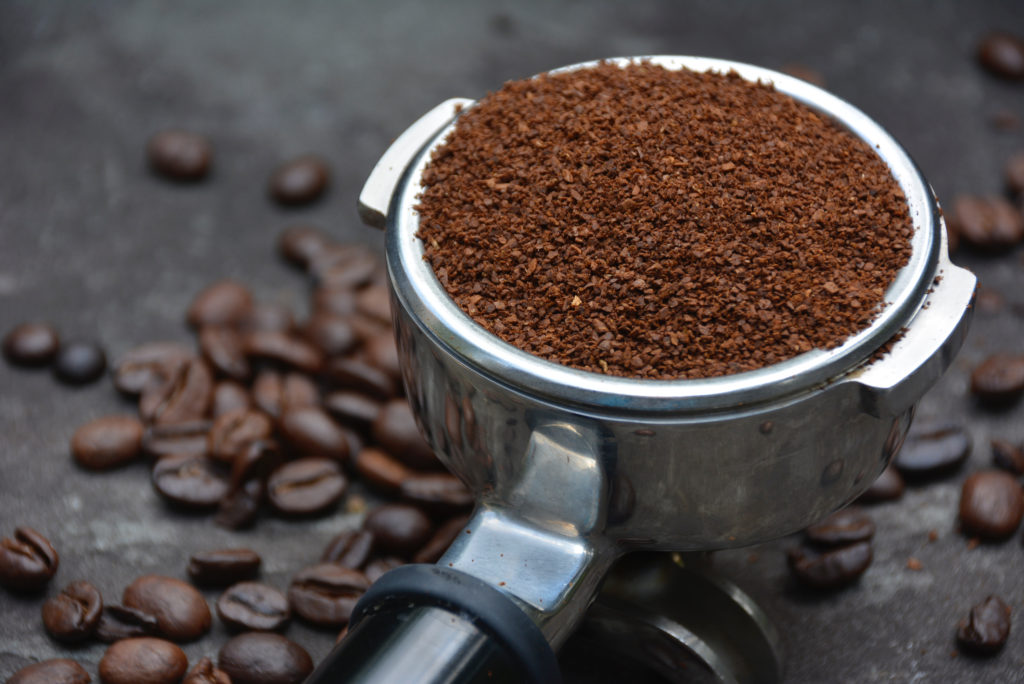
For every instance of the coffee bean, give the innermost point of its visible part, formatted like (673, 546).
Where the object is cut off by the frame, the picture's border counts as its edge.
(73, 614)
(31, 344)
(240, 507)
(284, 349)
(396, 431)
(332, 335)
(107, 442)
(225, 302)
(888, 486)
(350, 549)
(985, 631)
(309, 430)
(442, 539)
(1002, 54)
(375, 302)
(986, 223)
(325, 594)
(55, 671)
(439, 494)
(205, 672)
(1009, 457)
(360, 376)
(179, 155)
(252, 606)
(352, 408)
(79, 363)
(28, 561)
(264, 658)
(367, 329)
(999, 379)
(298, 391)
(190, 480)
(224, 350)
(842, 527)
(177, 438)
(377, 567)
(307, 486)
(181, 612)
(149, 365)
(299, 244)
(184, 398)
(382, 352)
(991, 504)
(256, 462)
(233, 432)
(830, 569)
(350, 271)
(221, 567)
(143, 660)
(299, 181)
(1014, 173)
(269, 317)
(267, 392)
(339, 302)
(398, 528)
(933, 451)
(122, 622)
(229, 395)
(380, 471)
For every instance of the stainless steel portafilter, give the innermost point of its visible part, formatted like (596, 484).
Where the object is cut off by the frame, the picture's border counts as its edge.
(573, 469)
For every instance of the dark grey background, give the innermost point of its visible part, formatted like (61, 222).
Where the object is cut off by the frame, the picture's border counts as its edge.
(91, 241)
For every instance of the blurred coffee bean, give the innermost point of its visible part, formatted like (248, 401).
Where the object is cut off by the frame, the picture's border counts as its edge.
(1014, 173)
(377, 567)
(122, 622)
(830, 569)
(382, 352)
(268, 317)
(986, 223)
(933, 451)
(299, 181)
(224, 349)
(1002, 54)
(334, 301)
(375, 302)
(181, 612)
(352, 408)
(31, 344)
(299, 244)
(253, 606)
(267, 392)
(382, 472)
(359, 376)
(233, 432)
(107, 442)
(311, 431)
(331, 334)
(398, 529)
(368, 328)
(182, 399)
(307, 486)
(991, 504)
(1009, 457)
(177, 438)
(264, 658)
(285, 349)
(350, 549)
(842, 527)
(228, 396)
(72, 615)
(240, 507)
(395, 430)
(344, 267)
(149, 365)
(255, 463)
(999, 379)
(205, 672)
(298, 391)
(179, 155)
(143, 660)
(888, 486)
(221, 567)
(225, 302)
(325, 594)
(27, 561)
(985, 630)
(442, 539)
(55, 671)
(439, 494)
(190, 480)
(79, 362)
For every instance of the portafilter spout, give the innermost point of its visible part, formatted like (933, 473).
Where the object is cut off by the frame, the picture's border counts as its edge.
(572, 469)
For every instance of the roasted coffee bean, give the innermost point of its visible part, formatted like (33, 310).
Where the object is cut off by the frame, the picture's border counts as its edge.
(307, 486)
(225, 302)
(842, 527)
(298, 391)
(28, 561)
(382, 352)
(205, 672)
(398, 528)
(264, 658)
(1013, 172)
(31, 344)
(332, 335)
(367, 329)
(229, 395)
(79, 362)
(299, 244)
(396, 431)
(359, 376)
(181, 612)
(182, 399)
(991, 504)
(326, 593)
(985, 630)
(107, 442)
(240, 507)
(267, 392)
(270, 317)
(379, 470)
(143, 660)
(190, 480)
(224, 350)
(1002, 54)
(176, 438)
(73, 614)
(352, 408)
(350, 549)
(256, 463)
(830, 569)
(888, 486)
(311, 431)
(253, 606)
(986, 223)
(337, 302)
(375, 302)
(55, 671)
(285, 349)
(377, 567)
(233, 433)
(442, 539)
(299, 181)
(221, 567)
(999, 379)
(149, 365)
(933, 451)
(1009, 457)
(344, 267)
(179, 155)
(439, 494)
(122, 622)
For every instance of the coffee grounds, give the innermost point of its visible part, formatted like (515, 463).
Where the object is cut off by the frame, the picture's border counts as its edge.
(644, 222)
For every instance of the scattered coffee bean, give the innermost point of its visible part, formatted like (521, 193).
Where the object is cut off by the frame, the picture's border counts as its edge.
(229, 395)
(234, 432)
(307, 486)
(1002, 54)
(888, 486)
(830, 569)
(205, 672)
(179, 155)
(225, 302)
(375, 302)
(1009, 457)
(331, 334)
(149, 365)
(55, 671)
(439, 494)
(177, 438)
(79, 363)
(350, 549)
(240, 507)
(999, 379)
(31, 344)
(284, 349)
(224, 349)
(1014, 173)
(28, 561)
(377, 567)
(181, 612)
(349, 271)
(221, 567)
(264, 658)
(73, 614)
(325, 594)
(143, 660)
(991, 504)
(985, 631)
(442, 539)
(399, 529)
(338, 302)
(986, 223)
(310, 430)
(190, 480)
(122, 622)
(299, 244)
(185, 397)
(107, 442)
(842, 527)
(253, 606)
(396, 431)
(298, 391)
(352, 408)
(380, 471)
(933, 451)
(353, 374)
(299, 181)
(267, 392)
(268, 317)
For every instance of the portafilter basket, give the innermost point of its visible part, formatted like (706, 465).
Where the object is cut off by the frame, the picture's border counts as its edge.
(572, 469)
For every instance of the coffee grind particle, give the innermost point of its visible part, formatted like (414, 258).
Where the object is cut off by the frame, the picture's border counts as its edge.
(643, 222)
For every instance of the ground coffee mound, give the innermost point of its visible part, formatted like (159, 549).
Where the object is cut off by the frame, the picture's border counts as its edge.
(639, 221)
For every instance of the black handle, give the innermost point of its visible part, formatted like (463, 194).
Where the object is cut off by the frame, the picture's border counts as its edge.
(425, 624)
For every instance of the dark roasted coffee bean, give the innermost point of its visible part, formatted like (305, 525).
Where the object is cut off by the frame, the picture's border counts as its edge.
(181, 612)
(299, 244)
(999, 379)
(182, 399)
(352, 408)
(225, 302)
(79, 363)
(888, 486)
(205, 672)
(299, 181)
(991, 504)
(176, 438)
(368, 328)
(73, 614)
(339, 302)
(229, 395)
(221, 567)
(179, 155)
(933, 451)
(28, 561)
(264, 658)
(398, 528)
(256, 463)
(396, 431)
(341, 256)
(830, 569)
(270, 317)
(107, 442)
(56, 671)
(987, 223)
(253, 606)
(326, 593)
(285, 349)
(149, 365)
(1002, 54)
(442, 539)
(121, 622)
(382, 353)
(311, 431)
(143, 660)
(842, 527)
(298, 391)
(985, 630)
(267, 392)
(240, 507)
(1009, 457)
(1013, 172)
(439, 494)
(189, 480)
(375, 302)
(360, 376)
(31, 344)
(224, 349)
(377, 567)
(332, 335)
(350, 549)
(351, 271)
(233, 433)
(307, 486)
(379, 470)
